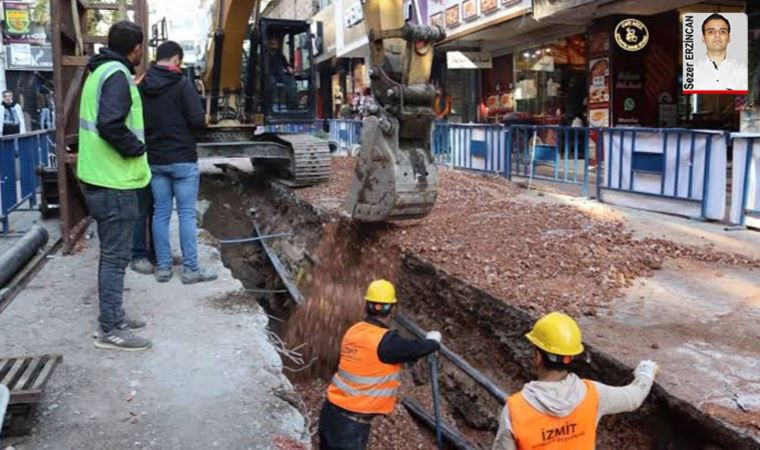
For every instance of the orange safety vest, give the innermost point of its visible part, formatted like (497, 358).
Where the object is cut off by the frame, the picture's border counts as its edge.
(535, 430)
(363, 383)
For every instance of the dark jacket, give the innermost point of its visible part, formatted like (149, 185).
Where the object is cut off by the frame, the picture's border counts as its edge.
(115, 103)
(173, 109)
(393, 349)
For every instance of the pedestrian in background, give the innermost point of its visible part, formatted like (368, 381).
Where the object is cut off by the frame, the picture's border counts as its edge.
(173, 110)
(112, 166)
(13, 116)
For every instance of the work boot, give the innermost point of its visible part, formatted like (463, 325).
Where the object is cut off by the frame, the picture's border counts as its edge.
(198, 276)
(163, 275)
(142, 265)
(125, 340)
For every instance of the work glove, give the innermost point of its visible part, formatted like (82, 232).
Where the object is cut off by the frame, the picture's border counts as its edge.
(647, 369)
(434, 336)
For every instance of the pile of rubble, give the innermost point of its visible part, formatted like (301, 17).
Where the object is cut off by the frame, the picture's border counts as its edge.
(535, 255)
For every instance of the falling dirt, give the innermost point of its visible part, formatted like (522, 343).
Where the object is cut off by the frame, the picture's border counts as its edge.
(348, 262)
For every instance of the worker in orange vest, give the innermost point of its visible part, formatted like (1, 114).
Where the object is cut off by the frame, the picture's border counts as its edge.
(560, 411)
(369, 372)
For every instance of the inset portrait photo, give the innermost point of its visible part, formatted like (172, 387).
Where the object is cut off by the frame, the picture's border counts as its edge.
(715, 53)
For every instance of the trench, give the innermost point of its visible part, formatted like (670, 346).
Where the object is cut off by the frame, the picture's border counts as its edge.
(332, 259)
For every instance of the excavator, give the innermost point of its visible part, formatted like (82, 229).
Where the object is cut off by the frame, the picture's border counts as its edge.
(258, 88)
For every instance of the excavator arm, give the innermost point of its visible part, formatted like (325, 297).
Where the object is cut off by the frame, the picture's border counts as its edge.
(395, 176)
(225, 51)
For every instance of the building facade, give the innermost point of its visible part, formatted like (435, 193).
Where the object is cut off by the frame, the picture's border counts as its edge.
(551, 63)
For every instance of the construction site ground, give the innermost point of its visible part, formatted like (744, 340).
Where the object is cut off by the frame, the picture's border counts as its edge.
(644, 285)
(212, 380)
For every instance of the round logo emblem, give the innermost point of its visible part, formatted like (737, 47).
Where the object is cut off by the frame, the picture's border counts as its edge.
(631, 35)
(629, 104)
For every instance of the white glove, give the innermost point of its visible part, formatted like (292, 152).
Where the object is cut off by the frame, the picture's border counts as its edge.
(647, 369)
(434, 336)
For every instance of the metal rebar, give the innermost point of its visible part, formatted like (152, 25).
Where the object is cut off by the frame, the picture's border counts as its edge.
(488, 384)
(252, 239)
(450, 434)
(282, 272)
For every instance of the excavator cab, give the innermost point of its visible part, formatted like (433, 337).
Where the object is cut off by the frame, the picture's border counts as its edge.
(283, 70)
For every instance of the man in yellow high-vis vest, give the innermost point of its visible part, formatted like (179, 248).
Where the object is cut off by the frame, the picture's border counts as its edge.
(112, 166)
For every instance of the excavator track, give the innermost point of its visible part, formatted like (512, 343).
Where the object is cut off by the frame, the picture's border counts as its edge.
(310, 162)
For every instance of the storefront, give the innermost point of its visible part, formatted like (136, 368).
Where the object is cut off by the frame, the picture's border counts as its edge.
(579, 63)
(324, 29)
(28, 57)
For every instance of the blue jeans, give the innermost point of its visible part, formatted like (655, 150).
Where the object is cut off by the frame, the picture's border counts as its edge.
(46, 121)
(175, 181)
(115, 212)
(337, 431)
(142, 241)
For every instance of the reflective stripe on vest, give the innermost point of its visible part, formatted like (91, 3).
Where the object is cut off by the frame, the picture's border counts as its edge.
(363, 383)
(535, 430)
(98, 163)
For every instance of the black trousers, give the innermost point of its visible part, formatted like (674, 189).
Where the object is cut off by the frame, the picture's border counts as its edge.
(337, 431)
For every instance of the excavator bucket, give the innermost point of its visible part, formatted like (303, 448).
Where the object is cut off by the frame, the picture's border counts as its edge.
(390, 183)
(395, 176)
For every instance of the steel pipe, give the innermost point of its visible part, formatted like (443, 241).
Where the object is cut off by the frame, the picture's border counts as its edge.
(15, 258)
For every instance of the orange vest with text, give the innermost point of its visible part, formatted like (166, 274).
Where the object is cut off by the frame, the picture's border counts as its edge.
(363, 383)
(535, 430)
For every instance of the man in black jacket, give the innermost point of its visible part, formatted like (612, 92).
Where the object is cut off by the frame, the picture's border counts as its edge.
(173, 109)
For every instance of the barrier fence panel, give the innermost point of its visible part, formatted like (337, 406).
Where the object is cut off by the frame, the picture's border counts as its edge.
(745, 182)
(472, 147)
(669, 170)
(347, 133)
(552, 153)
(20, 157)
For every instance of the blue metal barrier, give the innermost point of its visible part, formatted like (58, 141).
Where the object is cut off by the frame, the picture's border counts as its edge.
(671, 165)
(293, 128)
(552, 153)
(347, 133)
(20, 156)
(745, 183)
(477, 147)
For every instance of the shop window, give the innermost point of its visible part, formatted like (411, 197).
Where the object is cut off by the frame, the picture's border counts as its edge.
(551, 81)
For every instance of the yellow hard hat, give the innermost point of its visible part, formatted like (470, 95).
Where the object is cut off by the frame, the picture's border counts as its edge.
(558, 334)
(381, 291)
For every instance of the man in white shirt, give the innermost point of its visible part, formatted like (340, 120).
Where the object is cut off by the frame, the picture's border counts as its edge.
(716, 71)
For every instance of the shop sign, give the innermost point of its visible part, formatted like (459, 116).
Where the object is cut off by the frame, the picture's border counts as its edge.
(323, 27)
(544, 8)
(17, 22)
(353, 15)
(452, 16)
(17, 18)
(631, 35)
(488, 6)
(469, 10)
(29, 57)
(468, 60)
